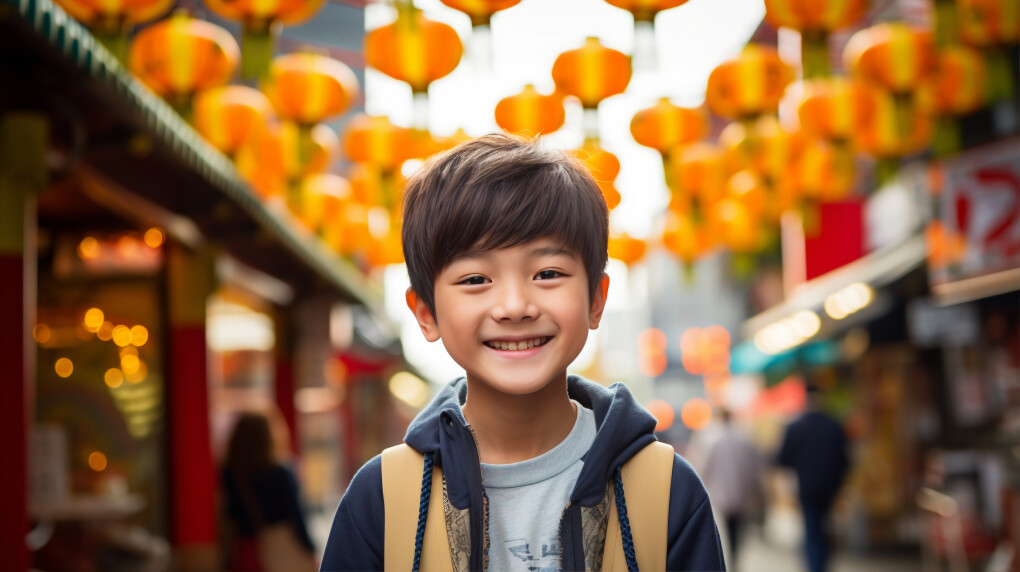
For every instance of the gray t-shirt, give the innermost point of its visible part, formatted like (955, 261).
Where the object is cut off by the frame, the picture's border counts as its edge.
(526, 501)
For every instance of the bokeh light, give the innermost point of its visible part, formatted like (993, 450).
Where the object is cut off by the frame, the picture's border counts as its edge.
(88, 248)
(105, 331)
(663, 413)
(113, 378)
(97, 461)
(42, 333)
(154, 237)
(696, 414)
(93, 319)
(64, 367)
(121, 335)
(139, 335)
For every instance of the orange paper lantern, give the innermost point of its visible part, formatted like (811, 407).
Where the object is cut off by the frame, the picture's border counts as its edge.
(697, 174)
(275, 161)
(646, 10)
(687, 240)
(886, 125)
(110, 20)
(626, 248)
(666, 126)
(181, 55)
(604, 167)
(480, 11)
(258, 19)
(890, 55)
(414, 49)
(986, 23)
(734, 225)
(309, 88)
(232, 116)
(826, 108)
(748, 85)
(530, 113)
(960, 82)
(591, 73)
(814, 19)
(824, 172)
(375, 140)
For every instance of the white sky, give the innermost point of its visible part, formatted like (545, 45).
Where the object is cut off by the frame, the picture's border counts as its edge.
(691, 40)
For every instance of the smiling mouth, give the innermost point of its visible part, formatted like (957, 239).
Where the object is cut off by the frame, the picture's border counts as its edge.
(518, 345)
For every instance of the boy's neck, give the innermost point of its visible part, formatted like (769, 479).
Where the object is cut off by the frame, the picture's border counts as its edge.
(515, 428)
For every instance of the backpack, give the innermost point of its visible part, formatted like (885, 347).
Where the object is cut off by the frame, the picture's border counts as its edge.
(646, 481)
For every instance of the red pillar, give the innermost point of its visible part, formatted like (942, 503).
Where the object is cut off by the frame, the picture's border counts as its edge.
(283, 377)
(22, 175)
(193, 477)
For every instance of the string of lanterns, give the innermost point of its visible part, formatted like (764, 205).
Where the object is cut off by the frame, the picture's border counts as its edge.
(899, 93)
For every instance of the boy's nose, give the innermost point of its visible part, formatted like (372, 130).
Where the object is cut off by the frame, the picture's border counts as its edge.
(513, 305)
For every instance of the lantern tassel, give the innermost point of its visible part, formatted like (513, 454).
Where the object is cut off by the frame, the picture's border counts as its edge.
(256, 52)
(814, 54)
(946, 138)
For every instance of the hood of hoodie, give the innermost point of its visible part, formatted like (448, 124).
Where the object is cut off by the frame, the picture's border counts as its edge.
(623, 429)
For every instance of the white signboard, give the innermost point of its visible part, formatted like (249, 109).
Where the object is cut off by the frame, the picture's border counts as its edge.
(980, 202)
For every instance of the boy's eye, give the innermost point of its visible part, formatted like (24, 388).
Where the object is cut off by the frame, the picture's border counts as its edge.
(473, 280)
(548, 275)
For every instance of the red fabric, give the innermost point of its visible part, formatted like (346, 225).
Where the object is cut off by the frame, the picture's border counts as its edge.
(193, 481)
(840, 239)
(13, 422)
(246, 556)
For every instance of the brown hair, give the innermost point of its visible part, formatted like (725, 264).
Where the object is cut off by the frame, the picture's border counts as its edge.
(251, 447)
(500, 191)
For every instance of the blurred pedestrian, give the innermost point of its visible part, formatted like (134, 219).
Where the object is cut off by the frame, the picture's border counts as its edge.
(815, 447)
(732, 475)
(263, 507)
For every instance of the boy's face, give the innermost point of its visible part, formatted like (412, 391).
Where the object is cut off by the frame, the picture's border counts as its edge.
(533, 297)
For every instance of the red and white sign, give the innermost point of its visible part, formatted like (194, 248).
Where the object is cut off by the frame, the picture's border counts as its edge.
(980, 202)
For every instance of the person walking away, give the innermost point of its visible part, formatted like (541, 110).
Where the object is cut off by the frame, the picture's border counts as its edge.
(519, 465)
(732, 474)
(262, 502)
(815, 447)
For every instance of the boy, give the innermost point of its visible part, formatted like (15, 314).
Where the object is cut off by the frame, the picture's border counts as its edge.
(505, 245)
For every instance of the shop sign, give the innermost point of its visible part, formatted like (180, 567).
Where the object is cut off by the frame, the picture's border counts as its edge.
(980, 203)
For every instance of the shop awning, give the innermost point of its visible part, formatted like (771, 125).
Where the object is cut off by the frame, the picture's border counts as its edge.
(106, 121)
(873, 270)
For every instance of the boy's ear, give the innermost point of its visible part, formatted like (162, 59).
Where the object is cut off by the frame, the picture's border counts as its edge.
(426, 321)
(598, 303)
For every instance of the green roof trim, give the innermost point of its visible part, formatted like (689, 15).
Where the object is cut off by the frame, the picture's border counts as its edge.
(80, 47)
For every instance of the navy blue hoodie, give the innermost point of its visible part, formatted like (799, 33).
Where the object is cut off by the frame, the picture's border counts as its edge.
(356, 539)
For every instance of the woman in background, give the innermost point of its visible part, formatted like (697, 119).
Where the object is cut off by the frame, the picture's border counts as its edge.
(259, 491)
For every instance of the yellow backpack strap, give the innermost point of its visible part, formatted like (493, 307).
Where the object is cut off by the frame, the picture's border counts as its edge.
(646, 486)
(402, 469)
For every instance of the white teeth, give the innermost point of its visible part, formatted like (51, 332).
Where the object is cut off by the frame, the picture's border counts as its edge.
(515, 346)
